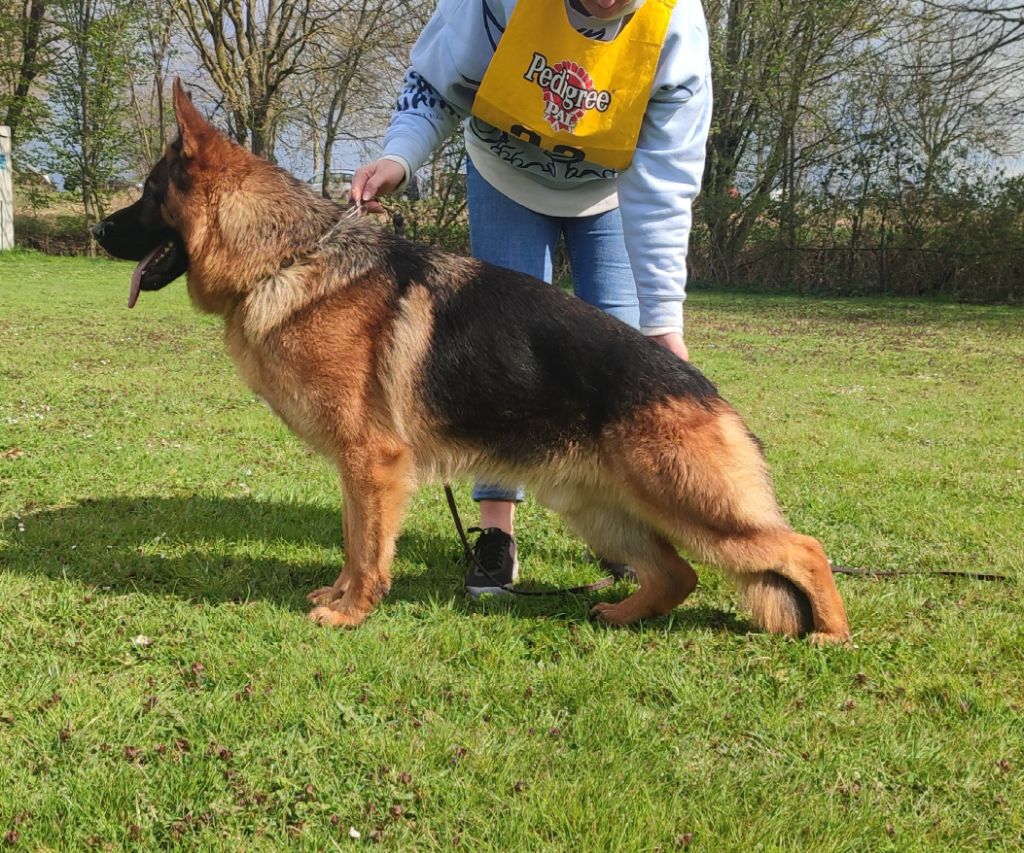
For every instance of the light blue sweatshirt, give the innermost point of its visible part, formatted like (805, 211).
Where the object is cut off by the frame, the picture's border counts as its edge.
(655, 193)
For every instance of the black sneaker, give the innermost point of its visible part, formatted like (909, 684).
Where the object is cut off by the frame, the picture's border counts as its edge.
(495, 566)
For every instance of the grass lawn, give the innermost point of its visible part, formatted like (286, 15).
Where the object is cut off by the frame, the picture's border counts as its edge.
(160, 684)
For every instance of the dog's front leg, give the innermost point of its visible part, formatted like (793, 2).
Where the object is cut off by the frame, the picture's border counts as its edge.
(326, 594)
(377, 482)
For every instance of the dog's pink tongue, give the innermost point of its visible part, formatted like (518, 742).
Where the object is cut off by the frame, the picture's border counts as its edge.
(133, 294)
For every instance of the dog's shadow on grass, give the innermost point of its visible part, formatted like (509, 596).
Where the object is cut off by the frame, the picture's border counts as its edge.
(217, 550)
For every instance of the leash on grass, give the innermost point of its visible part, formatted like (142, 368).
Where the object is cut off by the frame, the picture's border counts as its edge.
(473, 560)
(942, 573)
(619, 572)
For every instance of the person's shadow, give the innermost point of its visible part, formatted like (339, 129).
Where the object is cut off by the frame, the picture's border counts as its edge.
(217, 550)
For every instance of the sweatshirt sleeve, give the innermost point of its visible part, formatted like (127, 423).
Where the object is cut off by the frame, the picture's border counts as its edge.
(447, 63)
(656, 192)
(423, 120)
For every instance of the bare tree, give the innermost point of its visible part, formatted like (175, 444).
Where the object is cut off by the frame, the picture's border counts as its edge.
(942, 102)
(339, 93)
(251, 49)
(987, 28)
(773, 63)
(158, 26)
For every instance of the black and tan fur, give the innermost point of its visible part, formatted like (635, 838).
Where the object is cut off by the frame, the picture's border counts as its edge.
(406, 365)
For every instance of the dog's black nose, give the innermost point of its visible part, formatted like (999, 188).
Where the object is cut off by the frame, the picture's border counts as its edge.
(98, 229)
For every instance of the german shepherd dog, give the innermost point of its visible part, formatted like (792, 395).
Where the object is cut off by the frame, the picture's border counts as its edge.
(368, 347)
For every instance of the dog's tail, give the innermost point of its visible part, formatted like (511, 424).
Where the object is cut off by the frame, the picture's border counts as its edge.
(777, 604)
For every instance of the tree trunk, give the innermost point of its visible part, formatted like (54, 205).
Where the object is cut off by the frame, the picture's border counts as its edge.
(86, 142)
(33, 26)
(334, 115)
(328, 160)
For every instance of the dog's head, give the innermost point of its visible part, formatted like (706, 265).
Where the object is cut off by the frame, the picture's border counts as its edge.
(147, 231)
(216, 211)
(156, 231)
(141, 233)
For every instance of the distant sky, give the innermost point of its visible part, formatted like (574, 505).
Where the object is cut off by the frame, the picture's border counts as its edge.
(1015, 166)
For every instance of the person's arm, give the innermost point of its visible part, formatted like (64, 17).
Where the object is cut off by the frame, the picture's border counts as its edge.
(422, 121)
(656, 192)
(448, 61)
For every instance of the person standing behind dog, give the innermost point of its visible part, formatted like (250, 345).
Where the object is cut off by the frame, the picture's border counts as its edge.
(585, 119)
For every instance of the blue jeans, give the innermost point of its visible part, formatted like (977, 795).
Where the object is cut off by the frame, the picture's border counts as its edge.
(507, 234)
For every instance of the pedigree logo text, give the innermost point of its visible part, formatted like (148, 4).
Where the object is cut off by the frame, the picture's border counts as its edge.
(568, 91)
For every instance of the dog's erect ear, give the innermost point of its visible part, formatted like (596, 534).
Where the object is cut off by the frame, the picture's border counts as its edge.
(195, 130)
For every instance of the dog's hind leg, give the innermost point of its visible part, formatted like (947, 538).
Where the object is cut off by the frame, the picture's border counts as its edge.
(377, 484)
(699, 477)
(665, 578)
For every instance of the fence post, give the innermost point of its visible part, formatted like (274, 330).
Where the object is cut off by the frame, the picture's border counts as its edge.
(6, 191)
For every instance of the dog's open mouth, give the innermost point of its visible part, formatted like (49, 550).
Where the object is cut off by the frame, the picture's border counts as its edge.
(158, 268)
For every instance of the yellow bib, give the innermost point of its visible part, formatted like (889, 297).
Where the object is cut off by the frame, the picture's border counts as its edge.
(578, 98)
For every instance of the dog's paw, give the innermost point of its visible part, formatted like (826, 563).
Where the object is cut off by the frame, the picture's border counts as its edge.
(610, 614)
(819, 638)
(325, 595)
(336, 618)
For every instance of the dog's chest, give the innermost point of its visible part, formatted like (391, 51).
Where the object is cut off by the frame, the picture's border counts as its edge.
(273, 379)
